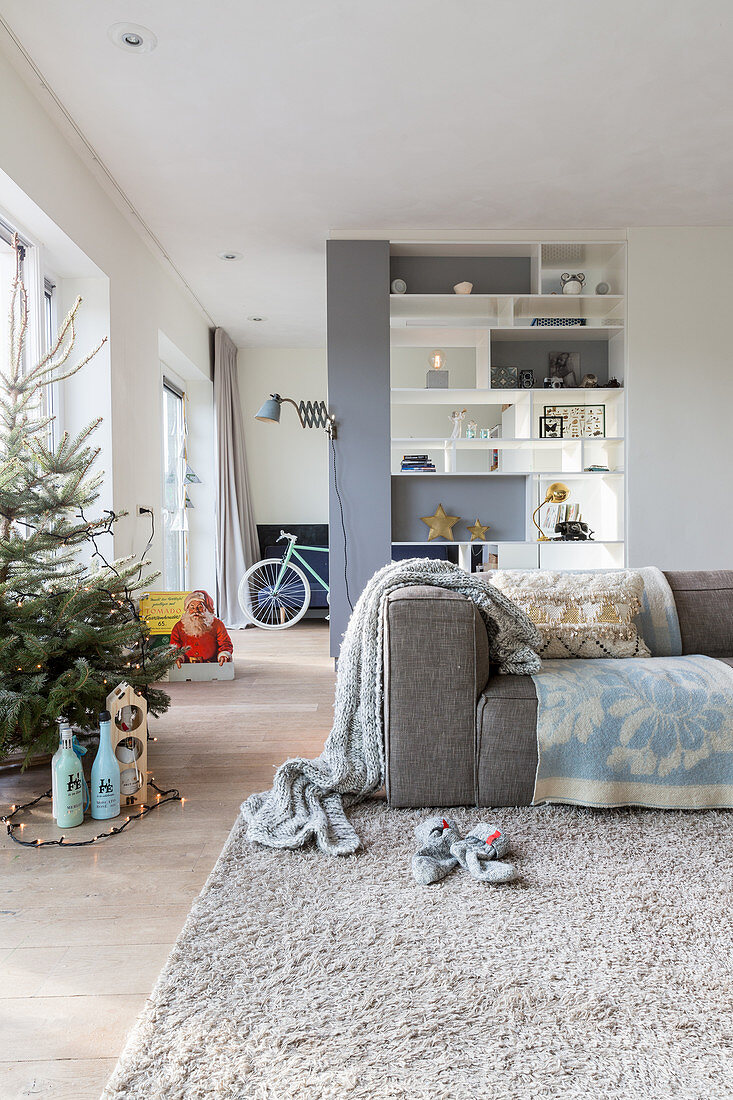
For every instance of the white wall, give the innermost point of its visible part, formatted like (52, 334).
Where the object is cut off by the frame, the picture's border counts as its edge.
(288, 465)
(680, 397)
(145, 299)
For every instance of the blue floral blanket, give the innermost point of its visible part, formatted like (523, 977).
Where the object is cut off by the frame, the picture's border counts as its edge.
(635, 732)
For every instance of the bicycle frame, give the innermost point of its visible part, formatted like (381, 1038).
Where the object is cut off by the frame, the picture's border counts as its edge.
(291, 552)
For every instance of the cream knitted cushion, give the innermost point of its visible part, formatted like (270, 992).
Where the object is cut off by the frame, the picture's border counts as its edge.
(579, 614)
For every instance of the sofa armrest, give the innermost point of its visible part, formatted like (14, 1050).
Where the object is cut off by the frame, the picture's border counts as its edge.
(436, 663)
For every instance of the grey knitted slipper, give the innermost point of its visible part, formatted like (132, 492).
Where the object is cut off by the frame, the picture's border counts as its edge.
(480, 851)
(433, 860)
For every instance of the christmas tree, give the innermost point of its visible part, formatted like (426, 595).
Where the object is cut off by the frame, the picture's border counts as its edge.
(70, 630)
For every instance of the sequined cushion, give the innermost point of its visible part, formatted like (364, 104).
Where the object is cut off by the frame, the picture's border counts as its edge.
(579, 614)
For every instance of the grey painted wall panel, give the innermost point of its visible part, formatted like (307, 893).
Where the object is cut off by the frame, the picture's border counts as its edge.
(358, 396)
(498, 501)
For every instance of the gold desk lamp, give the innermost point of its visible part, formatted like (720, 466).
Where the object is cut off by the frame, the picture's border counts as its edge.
(557, 493)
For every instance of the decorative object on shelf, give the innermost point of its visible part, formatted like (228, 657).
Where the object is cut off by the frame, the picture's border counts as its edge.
(70, 622)
(504, 378)
(573, 530)
(311, 414)
(162, 796)
(463, 288)
(105, 781)
(471, 427)
(129, 739)
(596, 469)
(559, 322)
(478, 530)
(398, 286)
(198, 635)
(572, 284)
(557, 493)
(441, 525)
(589, 382)
(551, 427)
(547, 383)
(580, 421)
(526, 379)
(602, 288)
(556, 384)
(614, 384)
(457, 418)
(484, 433)
(437, 377)
(564, 365)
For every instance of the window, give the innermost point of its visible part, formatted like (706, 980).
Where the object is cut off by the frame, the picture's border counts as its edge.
(41, 332)
(175, 521)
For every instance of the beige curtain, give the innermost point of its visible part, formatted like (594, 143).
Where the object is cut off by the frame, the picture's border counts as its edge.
(236, 534)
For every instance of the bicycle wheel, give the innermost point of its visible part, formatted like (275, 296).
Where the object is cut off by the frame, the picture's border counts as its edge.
(268, 604)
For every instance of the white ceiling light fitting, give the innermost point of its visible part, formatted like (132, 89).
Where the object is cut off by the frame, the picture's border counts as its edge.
(132, 37)
(229, 255)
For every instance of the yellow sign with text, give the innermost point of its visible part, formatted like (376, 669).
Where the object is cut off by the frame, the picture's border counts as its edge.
(162, 610)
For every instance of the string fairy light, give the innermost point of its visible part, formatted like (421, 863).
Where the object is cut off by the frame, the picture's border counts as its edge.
(163, 796)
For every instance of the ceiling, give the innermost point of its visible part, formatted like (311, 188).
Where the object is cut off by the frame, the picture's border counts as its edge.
(261, 127)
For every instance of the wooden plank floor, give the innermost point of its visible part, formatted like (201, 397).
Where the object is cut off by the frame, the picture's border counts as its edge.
(84, 932)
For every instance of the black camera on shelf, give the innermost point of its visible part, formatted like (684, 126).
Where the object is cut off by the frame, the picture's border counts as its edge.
(574, 530)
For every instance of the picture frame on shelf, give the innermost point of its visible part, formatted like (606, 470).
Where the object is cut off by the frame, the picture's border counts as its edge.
(564, 365)
(504, 378)
(580, 421)
(551, 426)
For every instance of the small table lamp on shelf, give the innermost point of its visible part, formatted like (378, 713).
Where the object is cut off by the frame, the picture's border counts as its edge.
(557, 493)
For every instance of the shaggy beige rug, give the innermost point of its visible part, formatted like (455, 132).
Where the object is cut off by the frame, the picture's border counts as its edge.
(605, 971)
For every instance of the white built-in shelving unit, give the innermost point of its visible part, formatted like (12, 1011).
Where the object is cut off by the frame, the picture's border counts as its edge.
(481, 330)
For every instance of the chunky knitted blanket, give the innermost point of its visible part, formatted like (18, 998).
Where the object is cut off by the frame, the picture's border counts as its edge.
(308, 796)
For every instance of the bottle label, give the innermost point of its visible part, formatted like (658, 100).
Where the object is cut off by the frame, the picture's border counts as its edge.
(106, 786)
(74, 783)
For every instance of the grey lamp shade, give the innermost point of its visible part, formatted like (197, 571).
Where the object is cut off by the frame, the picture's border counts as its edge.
(271, 409)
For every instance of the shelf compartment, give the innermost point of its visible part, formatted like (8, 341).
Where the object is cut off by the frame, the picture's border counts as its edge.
(500, 502)
(499, 272)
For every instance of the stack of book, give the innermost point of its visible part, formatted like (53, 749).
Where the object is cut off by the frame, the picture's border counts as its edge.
(417, 464)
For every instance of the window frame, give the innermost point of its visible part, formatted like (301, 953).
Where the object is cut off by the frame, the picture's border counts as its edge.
(175, 386)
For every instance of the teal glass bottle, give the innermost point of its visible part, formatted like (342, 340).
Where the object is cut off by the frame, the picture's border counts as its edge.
(63, 727)
(105, 785)
(69, 785)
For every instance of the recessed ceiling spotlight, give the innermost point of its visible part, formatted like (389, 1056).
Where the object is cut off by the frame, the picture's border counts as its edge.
(256, 318)
(132, 37)
(229, 255)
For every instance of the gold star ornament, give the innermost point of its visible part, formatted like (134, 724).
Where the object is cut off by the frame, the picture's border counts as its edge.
(478, 531)
(441, 525)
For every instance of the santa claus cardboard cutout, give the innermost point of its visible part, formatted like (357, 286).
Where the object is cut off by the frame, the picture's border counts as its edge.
(201, 637)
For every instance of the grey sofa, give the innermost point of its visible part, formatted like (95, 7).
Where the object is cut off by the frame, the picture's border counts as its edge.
(456, 735)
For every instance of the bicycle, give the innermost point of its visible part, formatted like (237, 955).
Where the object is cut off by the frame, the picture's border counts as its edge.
(275, 593)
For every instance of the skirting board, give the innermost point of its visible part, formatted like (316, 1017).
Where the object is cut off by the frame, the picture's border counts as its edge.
(203, 671)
